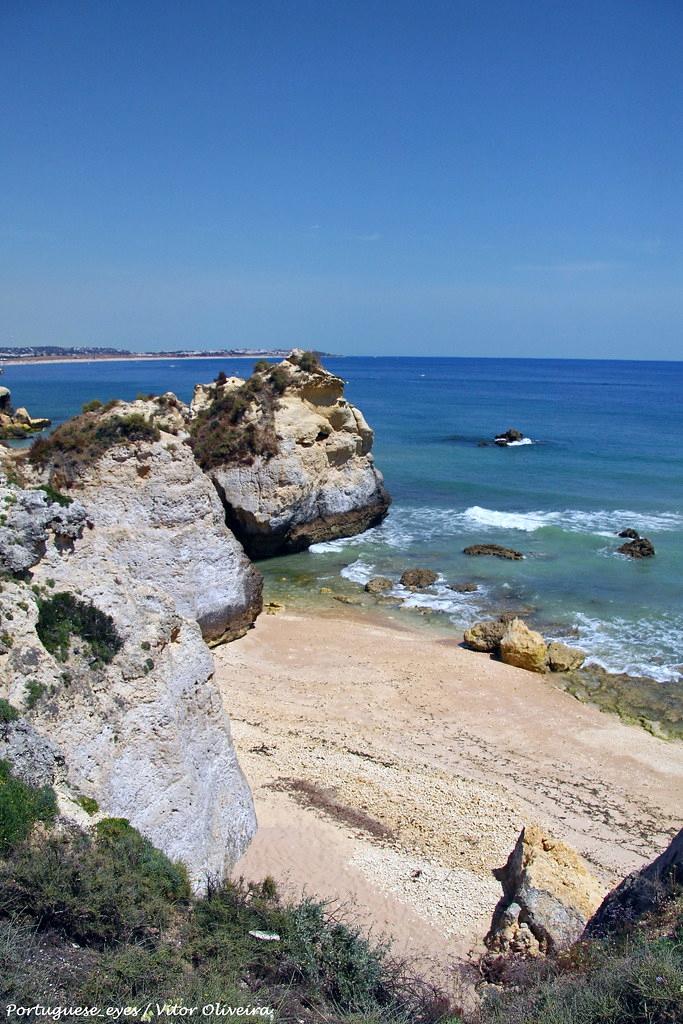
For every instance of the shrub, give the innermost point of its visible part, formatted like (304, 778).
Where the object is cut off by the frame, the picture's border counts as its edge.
(114, 887)
(55, 496)
(21, 806)
(63, 616)
(261, 366)
(34, 691)
(222, 433)
(91, 406)
(89, 805)
(309, 361)
(80, 442)
(8, 713)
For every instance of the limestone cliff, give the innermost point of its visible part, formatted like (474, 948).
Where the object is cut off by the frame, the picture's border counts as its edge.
(133, 718)
(157, 516)
(290, 457)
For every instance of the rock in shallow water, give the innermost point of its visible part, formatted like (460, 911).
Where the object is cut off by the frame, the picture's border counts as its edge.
(640, 548)
(418, 579)
(378, 584)
(495, 550)
(563, 658)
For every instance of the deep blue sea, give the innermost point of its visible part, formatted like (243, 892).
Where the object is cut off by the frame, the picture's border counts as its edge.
(606, 454)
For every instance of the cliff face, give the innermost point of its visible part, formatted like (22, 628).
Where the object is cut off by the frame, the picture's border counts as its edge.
(103, 662)
(157, 516)
(315, 479)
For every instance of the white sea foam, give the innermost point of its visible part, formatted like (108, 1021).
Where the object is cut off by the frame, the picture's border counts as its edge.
(627, 646)
(528, 521)
(516, 444)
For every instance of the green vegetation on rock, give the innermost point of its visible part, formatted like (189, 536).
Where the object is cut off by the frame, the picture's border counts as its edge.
(8, 713)
(77, 444)
(239, 423)
(62, 617)
(21, 806)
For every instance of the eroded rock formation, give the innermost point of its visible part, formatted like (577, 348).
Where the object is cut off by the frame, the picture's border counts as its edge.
(290, 458)
(548, 896)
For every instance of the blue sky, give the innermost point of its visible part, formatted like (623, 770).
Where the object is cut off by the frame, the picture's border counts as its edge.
(494, 177)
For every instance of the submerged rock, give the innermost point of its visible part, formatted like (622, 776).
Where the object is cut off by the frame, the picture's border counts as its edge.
(548, 896)
(495, 550)
(418, 579)
(640, 892)
(378, 584)
(523, 647)
(292, 463)
(640, 548)
(463, 588)
(629, 533)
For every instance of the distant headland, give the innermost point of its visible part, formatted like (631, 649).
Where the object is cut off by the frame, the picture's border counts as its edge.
(19, 355)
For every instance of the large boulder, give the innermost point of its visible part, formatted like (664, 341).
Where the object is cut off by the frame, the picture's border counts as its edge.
(494, 550)
(523, 647)
(290, 457)
(640, 892)
(156, 515)
(548, 896)
(486, 636)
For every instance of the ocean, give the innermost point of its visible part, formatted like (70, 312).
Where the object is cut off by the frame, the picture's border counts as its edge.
(605, 454)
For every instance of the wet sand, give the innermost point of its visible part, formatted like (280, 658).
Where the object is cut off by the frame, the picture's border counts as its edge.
(392, 770)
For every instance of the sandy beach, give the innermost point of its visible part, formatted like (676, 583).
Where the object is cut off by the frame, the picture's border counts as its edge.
(392, 770)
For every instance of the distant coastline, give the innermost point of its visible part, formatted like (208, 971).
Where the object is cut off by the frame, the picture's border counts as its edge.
(93, 356)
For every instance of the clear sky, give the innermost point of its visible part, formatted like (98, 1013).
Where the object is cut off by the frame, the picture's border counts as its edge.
(494, 177)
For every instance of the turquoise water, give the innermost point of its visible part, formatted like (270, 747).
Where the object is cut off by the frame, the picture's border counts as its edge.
(606, 455)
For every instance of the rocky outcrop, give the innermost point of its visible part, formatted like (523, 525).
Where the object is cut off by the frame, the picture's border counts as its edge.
(17, 423)
(30, 517)
(418, 579)
(629, 534)
(510, 639)
(138, 726)
(640, 892)
(508, 437)
(297, 467)
(494, 550)
(640, 548)
(523, 647)
(156, 515)
(548, 896)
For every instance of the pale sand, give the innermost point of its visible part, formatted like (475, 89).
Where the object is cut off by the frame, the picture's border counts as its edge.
(449, 751)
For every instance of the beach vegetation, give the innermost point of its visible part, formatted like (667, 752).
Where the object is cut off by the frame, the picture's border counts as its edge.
(91, 406)
(62, 616)
(142, 936)
(34, 691)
